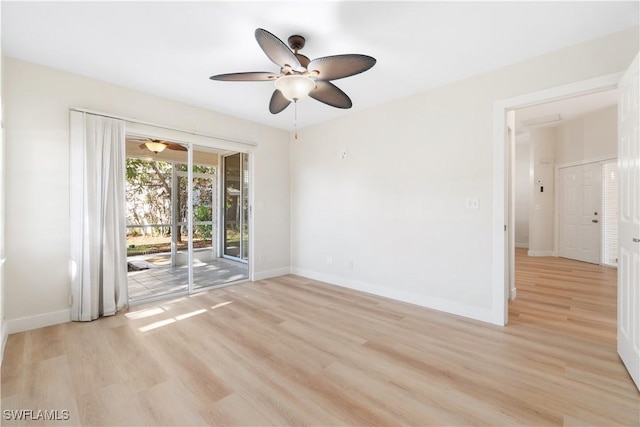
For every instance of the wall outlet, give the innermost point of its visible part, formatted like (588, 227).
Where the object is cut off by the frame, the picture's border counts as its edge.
(260, 259)
(329, 260)
(350, 265)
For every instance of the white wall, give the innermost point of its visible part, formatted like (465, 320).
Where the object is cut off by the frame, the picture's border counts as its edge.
(37, 101)
(592, 136)
(541, 224)
(3, 329)
(523, 192)
(392, 217)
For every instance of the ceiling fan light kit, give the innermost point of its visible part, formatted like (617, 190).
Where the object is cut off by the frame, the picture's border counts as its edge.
(155, 146)
(299, 77)
(295, 87)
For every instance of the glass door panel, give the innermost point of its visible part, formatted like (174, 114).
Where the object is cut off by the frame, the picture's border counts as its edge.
(233, 205)
(151, 226)
(244, 227)
(204, 184)
(181, 242)
(236, 208)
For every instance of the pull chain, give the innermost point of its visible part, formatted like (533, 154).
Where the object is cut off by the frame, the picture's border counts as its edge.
(295, 118)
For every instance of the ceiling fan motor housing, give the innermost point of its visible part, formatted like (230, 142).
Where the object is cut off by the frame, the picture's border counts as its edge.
(296, 43)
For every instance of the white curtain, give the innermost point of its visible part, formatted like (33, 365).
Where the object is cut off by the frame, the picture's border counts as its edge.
(98, 243)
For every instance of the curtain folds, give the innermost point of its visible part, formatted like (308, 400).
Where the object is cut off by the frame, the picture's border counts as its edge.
(97, 215)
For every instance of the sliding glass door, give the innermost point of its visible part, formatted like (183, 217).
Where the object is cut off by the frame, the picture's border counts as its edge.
(177, 237)
(236, 207)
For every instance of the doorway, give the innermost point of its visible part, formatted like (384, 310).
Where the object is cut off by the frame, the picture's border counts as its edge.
(558, 168)
(174, 223)
(629, 220)
(503, 238)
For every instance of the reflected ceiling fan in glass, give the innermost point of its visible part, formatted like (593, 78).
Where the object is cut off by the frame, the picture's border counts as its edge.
(157, 145)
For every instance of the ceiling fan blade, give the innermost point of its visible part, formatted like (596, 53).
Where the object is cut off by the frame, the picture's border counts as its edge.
(278, 52)
(341, 66)
(278, 102)
(142, 146)
(330, 94)
(176, 147)
(136, 139)
(257, 76)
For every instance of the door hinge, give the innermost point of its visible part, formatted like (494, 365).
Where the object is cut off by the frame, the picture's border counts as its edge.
(505, 228)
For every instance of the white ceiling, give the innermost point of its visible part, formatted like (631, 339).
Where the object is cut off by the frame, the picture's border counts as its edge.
(171, 48)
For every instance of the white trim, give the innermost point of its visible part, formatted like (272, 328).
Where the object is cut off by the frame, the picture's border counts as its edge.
(522, 245)
(541, 253)
(262, 275)
(3, 322)
(38, 321)
(251, 262)
(500, 196)
(142, 122)
(5, 335)
(439, 304)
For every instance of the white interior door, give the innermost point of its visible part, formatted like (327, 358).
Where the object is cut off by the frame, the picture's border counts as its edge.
(580, 201)
(629, 222)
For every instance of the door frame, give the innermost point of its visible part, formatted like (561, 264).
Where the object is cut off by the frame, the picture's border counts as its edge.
(192, 140)
(504, 247)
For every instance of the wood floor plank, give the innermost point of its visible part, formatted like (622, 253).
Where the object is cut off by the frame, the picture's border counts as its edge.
(295, 351)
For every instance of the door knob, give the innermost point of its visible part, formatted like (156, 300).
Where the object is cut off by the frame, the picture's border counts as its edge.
(636, 240)
(594, 220)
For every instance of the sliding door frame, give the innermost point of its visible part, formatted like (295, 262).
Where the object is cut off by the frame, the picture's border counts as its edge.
(219, 209)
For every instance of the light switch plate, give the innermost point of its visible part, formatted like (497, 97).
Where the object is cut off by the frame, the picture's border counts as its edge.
(472, 203)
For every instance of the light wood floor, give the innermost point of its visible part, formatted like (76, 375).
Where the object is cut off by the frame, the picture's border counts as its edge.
(291, 351)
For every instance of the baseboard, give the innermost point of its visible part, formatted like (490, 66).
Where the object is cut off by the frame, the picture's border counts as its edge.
(513, 294)
(262, 275)
(541, 253)
(524, 245)
(5, 335)
(3, 322)
(39, 321)
(439, 304)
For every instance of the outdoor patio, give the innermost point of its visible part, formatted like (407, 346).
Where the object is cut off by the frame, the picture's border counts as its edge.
(157, 277)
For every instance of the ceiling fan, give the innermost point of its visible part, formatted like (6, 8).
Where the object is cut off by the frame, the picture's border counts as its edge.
(300, 76)
(157, 145)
